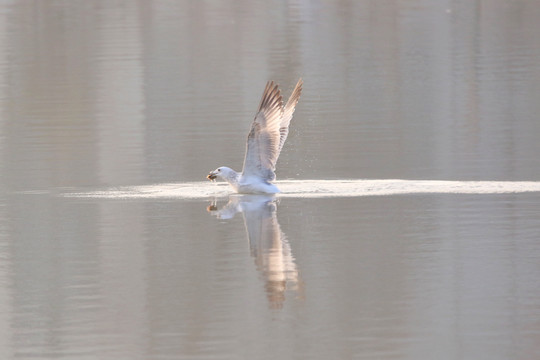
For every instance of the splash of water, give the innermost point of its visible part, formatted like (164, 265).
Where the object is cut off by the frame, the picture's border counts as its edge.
(319, 189)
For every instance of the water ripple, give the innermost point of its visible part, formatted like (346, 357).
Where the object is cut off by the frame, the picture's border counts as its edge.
(317, 189)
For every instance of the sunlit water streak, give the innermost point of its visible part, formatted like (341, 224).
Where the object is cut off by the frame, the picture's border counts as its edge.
(318, 189)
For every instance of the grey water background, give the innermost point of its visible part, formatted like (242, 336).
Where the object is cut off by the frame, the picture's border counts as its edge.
(101, 94)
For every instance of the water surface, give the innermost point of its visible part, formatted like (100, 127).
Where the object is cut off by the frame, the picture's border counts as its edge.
(408, 223)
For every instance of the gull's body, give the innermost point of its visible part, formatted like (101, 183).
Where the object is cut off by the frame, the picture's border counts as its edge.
(268, 133)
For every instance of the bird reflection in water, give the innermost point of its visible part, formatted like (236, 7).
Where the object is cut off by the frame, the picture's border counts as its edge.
(269, 246)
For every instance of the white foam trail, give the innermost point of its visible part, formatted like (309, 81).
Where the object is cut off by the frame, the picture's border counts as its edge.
(318, 189)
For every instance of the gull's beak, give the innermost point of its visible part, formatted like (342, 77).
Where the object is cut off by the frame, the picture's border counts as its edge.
(212, 175)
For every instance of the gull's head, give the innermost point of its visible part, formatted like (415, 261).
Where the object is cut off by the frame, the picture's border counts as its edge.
(221, 172)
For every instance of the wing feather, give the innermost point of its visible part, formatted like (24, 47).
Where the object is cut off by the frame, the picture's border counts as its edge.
(269, 131)
(263, 138)
(288, 114)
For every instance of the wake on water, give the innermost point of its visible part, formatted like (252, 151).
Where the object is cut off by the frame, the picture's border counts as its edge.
(317, 189)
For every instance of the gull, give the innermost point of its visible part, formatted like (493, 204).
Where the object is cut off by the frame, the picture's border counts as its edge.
(265, 140)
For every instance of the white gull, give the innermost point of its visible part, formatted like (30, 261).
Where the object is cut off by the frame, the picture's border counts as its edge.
(265, 140)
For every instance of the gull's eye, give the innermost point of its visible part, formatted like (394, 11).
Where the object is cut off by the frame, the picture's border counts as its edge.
(218, 169)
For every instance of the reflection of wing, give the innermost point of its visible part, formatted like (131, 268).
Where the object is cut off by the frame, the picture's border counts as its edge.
(261, 224)
(270, 249)
(264, 137)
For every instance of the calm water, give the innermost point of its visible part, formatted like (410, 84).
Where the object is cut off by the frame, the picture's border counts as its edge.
(123, 97)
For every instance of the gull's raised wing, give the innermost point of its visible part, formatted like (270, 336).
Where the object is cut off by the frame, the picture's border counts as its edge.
(288, 114)
(263, 140)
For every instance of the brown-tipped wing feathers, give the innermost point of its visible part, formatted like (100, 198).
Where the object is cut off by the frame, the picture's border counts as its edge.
(269, 131)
